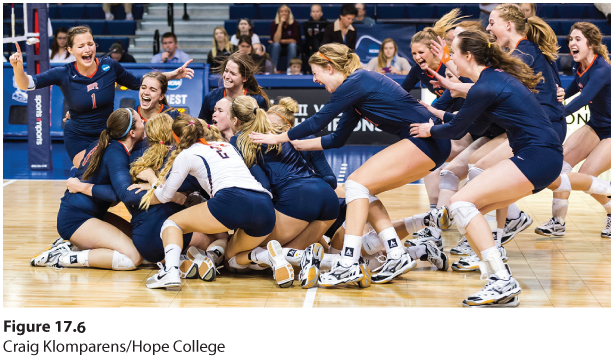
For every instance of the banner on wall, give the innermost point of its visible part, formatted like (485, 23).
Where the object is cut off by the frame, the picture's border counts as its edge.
(369, 40)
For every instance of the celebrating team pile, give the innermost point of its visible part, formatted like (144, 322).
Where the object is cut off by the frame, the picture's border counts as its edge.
(246, 189)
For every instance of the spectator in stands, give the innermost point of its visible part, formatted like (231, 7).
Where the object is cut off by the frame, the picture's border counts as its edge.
(362, 17)
(313, 29)
(171, 54)
(106, 7)
(296, 65)
(58, 51)
(116, 52)
(388, 61)
(245, 45)
(244, 27)
(342, 31)
(262, 59)
(221, 48)
(285, 34)
(528, 9)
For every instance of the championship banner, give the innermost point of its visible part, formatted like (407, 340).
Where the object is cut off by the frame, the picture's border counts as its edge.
(370, 40)
(39, 121)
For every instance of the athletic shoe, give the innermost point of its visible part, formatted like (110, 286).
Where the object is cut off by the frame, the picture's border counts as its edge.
(419, 233)
(515, 226)
(216, 254)
(472, 262)
(50, 255)
(496, 292)
(551, 228)
(438, 217)
(365, 282)
(437, 258)
(310, 265)
(425, 236)
(169, 279)
(197, 265)
(607, 232)
(338, 274)
(283, 273)
(462, 248)
(393, 268)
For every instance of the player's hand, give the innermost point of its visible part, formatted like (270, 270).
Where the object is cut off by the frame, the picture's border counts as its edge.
(139, 187)
(421, 129)
(182, 72)
(439, 48)
(66, 117)
(74, 185)
(269, 139)
(560, 93)
(440, 81)
(16, 59)
(147, 175)
(179, 198)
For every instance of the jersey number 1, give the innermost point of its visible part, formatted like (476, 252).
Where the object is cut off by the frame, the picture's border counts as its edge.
(93, 100)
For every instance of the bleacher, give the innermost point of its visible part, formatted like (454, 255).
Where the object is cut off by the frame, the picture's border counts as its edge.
(68, 15)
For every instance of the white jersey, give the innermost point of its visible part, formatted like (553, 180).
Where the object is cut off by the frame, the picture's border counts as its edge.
(216, 166)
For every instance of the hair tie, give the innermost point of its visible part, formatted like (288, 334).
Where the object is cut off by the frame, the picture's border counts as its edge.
(489, 45)
(177, 139)
(324, 57)
(255, 110)
(208, 126)
(526, 20)
(161, 142)
(191, 123)
(129, 124)
(285, 119)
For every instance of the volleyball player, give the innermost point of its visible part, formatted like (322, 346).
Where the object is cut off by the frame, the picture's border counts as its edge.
(592, 74)
(88, 85)
(220, 118)
(152, 96)
(237, 73)
(359, 93)
(237, 202)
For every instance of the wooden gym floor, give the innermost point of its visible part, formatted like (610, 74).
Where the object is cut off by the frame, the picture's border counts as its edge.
(570, 271)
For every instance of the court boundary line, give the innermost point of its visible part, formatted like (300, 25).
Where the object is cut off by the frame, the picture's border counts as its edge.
(310, 297)
(8, 183)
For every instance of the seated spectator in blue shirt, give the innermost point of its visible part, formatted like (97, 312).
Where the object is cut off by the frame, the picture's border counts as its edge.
(170, 54)
(362, 17)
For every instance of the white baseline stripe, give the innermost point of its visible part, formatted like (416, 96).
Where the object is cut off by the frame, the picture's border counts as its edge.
(310, 297)
(8, 183)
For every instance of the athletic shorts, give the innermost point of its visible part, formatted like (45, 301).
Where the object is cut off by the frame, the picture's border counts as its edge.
(492, 131)
(308, 199)
(541, 165)
(76, 143)
(340, 219)
(602, 131)
(560, 127)
(146, 230)
(71, 218)
(248, 210)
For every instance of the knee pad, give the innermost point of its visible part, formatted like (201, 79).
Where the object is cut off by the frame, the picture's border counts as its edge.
(565, 185)
(122, 262)
(354, 190)
(473, 173)
(372, 199)
(608, 205)
(448, 180)
(463, 213)
(169, 223)
(566, 168)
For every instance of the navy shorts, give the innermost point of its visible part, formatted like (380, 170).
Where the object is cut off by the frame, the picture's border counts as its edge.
(70, 219)
(340, 219)
(308, 199)
(249, 210)
(602, 131)
(437, 149)
(492, 131)
(541, 165)
(146, 231)
(76, 142)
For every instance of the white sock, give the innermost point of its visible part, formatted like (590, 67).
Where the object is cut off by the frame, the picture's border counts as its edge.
(565, 185)
(486, 252)
(497, 235)
(327, 261)
(74, 259)
(232, 263)
(433, 206)
(414, 223)
(332, 250)
(391, 242)
(559, 209)
(351, 250)
(171, 256)
(513, 212)
(293, 256)
(260, 256)
(416, 252)
(435, 231)
(371, 242)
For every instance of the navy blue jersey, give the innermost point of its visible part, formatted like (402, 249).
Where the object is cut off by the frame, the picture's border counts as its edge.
(89, 99)
(316, 160)
(507, 102)
(280, 168)
(448, 103)
(206, 111)
(529, 53)
(163, 109)
(417, 74)
(369, 95)
(595, 87)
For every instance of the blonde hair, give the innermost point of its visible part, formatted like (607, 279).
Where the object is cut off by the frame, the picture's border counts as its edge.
(593, 38)
(382, 61)
(440, 28)
(252, 119)
(339, 56)
(227, 44)
(189, 130)
(535, 29)
(160, 136)
(470, 25)
(290, 16)
(286, 109)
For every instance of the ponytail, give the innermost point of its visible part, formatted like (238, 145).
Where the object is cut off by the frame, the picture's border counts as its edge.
(286, 109)
(440, 28)
(119, 125)
(159, 134)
